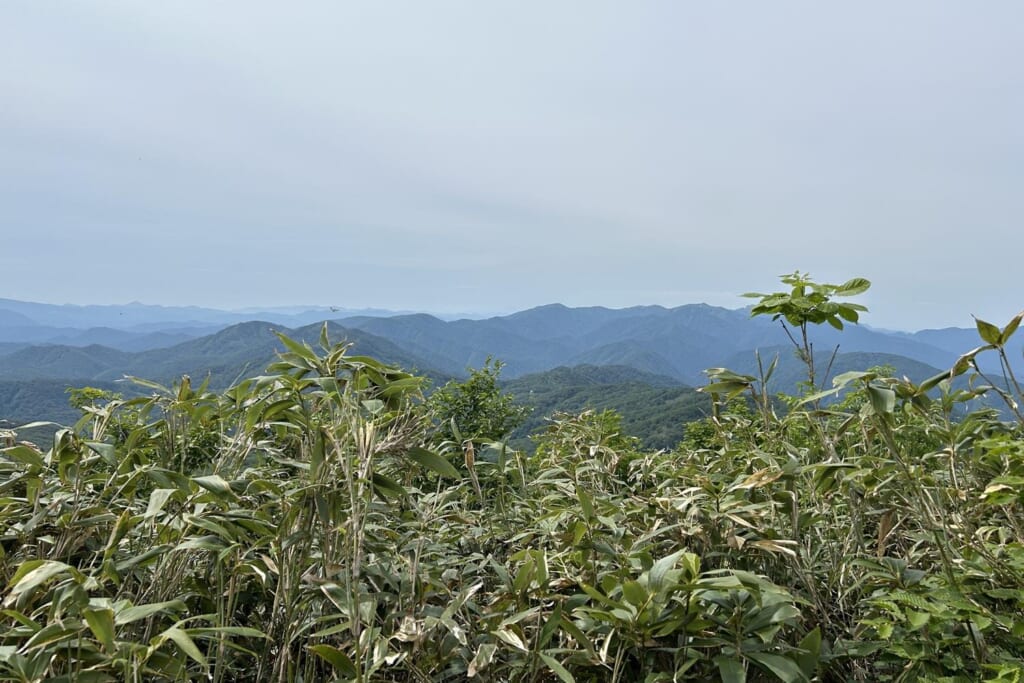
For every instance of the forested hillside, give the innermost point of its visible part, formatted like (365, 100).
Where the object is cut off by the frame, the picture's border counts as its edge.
(224, 356)
(679, 342)
(654, 408)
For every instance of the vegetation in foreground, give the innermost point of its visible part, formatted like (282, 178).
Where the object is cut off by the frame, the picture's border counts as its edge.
(323, 522)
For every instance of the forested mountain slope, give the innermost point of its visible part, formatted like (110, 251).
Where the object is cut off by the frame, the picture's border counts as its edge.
(681, 342)
(654, 408)
(223, 356)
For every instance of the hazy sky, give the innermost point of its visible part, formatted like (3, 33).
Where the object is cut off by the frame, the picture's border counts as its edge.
(491, 156)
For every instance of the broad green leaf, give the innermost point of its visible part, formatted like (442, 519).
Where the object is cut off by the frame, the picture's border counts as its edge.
(1010, 328)
(159, 388)
(101, 623)
(818, 396)
(33, 425)
(433, 461)
(573, 630)
(54, 633)
(659, 571)
(963, 363)
(183, 641)
(243, 631)
(634, 593)
(883, 399)
(917, 619)
(325, 342)
(298, 349)
(400, 387)
(851, 376)
(848, 313)
(989, 333)
(853, 287)
(143, 558)
(33, 574)
(211, 526)
(374, 406)
(810, 653)
(388, 488)
(336, 658)
(22, 619)
(134, 613)
(933, 381)
(215, 484)
(726, 375)
(785, 669)
(551, 625)
(208, 542)
(559, 670)
(104, 450)
(730, 389)
(731, 669)
(25, 455)
(157, 499)
(586, 503)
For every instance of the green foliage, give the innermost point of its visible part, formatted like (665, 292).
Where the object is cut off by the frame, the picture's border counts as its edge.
(81, 397)
(298, 526)
(809, 302)
(475, 408)
(40, 399)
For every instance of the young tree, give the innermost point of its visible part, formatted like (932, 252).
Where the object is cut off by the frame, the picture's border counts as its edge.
(476, 409)
(808, 303)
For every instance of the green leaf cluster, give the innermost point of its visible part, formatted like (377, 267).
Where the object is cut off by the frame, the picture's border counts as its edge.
(809, 302)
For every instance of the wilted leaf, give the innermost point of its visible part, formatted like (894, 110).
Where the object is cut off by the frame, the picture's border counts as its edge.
(482, 659)
(511, 638)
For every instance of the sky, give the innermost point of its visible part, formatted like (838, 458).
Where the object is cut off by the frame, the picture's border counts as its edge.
(492, 156)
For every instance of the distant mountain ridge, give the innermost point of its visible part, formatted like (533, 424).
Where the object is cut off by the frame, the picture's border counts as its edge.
(139, 327)
(127, 316)
(646, 345)
(227, 355)
(680, 342)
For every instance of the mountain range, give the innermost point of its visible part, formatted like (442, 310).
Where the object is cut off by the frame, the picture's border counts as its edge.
(139, 327)
(60, 346)
(677, 342)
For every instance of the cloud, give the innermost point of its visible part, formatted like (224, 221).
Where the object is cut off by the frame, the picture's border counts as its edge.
(500, 155)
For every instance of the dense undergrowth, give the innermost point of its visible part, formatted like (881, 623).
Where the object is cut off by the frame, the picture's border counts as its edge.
(314, 524)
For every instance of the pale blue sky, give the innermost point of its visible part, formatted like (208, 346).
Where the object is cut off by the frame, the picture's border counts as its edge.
(491, 156)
